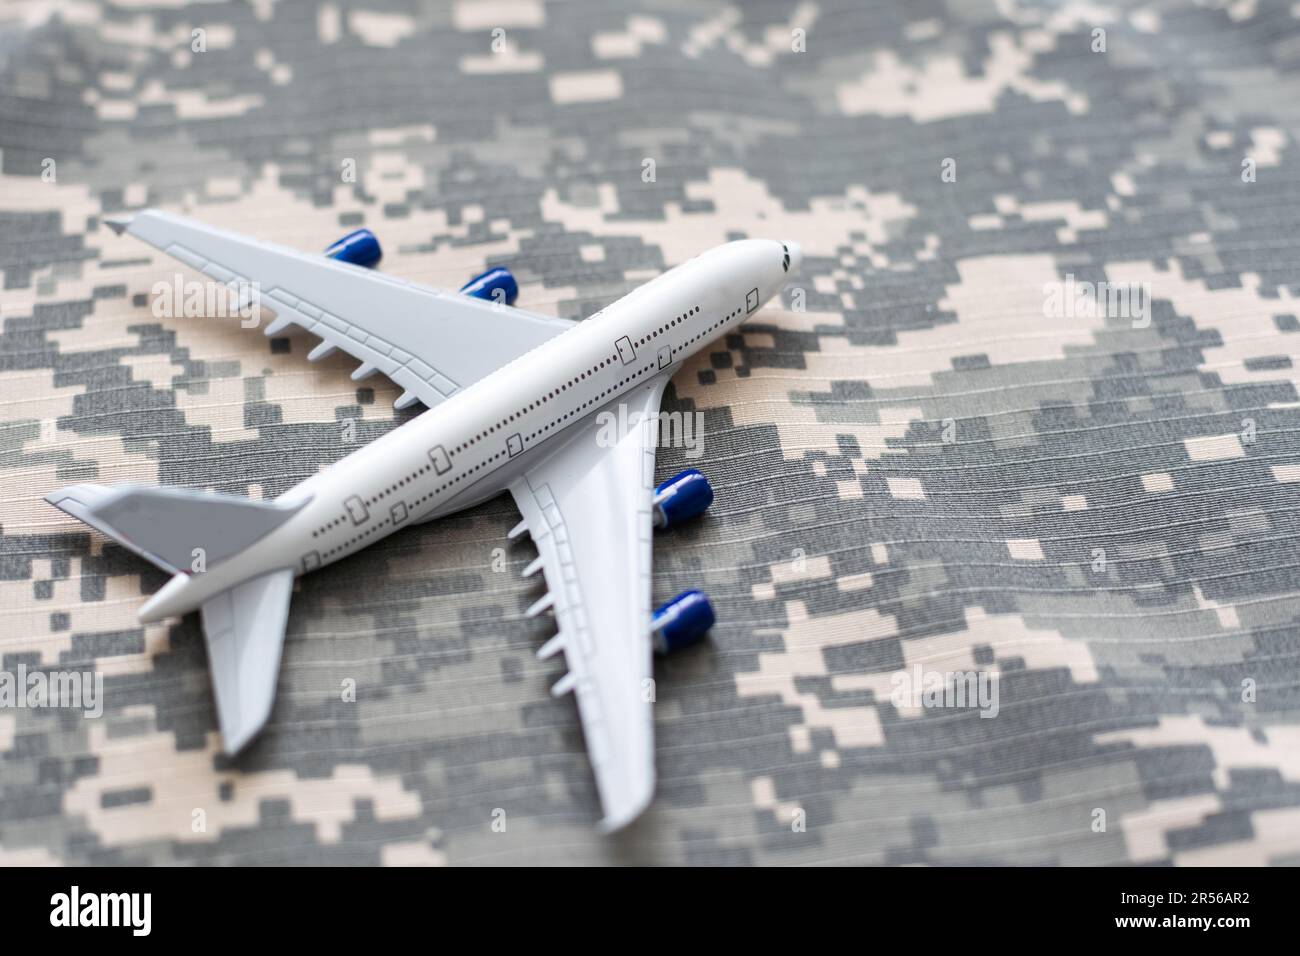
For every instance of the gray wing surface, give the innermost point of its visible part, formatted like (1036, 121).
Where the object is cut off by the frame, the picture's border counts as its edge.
(588, 509)
(431, 342)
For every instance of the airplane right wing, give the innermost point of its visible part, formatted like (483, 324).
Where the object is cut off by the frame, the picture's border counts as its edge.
(431, 342)
(588, 509)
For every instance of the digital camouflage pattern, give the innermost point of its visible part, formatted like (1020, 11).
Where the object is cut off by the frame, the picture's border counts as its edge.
(918, 464)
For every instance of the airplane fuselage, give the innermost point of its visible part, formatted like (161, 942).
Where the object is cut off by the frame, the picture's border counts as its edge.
(471, 446)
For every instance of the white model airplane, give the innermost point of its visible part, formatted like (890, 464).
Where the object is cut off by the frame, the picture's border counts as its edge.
(514, 399)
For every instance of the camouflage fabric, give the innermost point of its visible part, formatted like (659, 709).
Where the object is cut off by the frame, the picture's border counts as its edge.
(935, 458)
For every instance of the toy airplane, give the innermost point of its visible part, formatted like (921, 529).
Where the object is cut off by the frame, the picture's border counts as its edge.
(514, 399)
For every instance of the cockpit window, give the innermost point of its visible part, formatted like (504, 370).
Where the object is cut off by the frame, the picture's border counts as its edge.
(785, 263)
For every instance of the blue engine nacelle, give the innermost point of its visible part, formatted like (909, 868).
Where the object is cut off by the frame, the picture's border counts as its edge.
(682, 621)
(360, 248)
(495, 285)
(682, 497)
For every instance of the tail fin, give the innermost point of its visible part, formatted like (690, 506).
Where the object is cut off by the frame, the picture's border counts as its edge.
(244, 625)
(166, 525)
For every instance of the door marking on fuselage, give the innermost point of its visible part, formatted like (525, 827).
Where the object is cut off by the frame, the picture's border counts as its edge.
(441, 463)
(626, 350)
(357, 510)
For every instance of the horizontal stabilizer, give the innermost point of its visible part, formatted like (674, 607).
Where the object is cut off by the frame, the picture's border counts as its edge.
(168, 525)
(244, 627)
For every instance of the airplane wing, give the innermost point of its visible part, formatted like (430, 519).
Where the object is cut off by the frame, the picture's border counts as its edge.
(588, 509)
(431, 342)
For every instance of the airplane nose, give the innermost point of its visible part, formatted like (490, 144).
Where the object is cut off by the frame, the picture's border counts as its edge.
(794, 253)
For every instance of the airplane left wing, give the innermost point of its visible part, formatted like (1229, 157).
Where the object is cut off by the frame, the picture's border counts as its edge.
(432, 342)
(588, 509)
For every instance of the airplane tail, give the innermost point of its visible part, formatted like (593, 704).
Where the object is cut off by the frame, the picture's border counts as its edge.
(243, 625)
(173, 527)
(244, 628)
